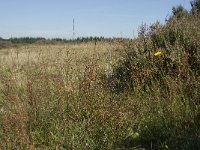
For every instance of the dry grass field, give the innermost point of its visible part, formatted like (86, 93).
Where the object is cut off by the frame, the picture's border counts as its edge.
(48, 87)
(72, 61)
(58, 97)
(127, 94)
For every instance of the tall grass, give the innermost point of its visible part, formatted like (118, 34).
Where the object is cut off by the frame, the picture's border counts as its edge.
(105, 96)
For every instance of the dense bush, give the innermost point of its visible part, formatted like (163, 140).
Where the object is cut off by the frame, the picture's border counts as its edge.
(169, 76)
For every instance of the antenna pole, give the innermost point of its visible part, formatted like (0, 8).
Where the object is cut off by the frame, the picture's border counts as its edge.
(73, 30)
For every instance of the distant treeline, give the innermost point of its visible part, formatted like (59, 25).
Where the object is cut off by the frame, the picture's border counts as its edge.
(41, 39)
(5, 43)
(30, 40)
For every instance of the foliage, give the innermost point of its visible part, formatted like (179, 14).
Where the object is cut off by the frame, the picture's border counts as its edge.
(173, 77)
(195, 6)
(179, 11)
(28, 40)
(111, 94)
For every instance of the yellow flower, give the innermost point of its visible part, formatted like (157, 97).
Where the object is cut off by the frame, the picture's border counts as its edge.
(157, 54)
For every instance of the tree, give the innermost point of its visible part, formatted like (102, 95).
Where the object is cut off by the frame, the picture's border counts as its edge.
(195, 4)
(179, 11)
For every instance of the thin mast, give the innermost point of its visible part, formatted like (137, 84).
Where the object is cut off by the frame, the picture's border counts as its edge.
(73, 30)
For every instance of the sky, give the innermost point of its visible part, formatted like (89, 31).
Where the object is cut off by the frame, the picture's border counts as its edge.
(54, 18)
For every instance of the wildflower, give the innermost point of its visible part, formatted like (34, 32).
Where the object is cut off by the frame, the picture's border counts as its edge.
(157, 54)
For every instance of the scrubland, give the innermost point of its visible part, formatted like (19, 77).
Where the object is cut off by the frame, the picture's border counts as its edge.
(128, 94)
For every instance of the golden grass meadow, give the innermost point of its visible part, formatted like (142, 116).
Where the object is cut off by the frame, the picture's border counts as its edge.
(141, 93)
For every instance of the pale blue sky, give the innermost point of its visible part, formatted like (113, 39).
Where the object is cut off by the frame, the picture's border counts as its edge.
(53, 18)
